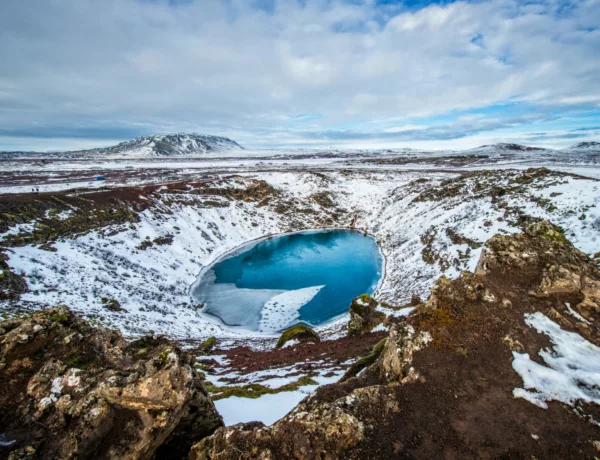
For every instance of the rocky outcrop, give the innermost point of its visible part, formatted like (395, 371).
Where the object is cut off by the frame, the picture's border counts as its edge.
(442, 385)
(68, 390)
(299, 333)
(364, 315)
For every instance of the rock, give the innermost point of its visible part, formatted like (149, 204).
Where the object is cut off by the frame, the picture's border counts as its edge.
(415, 300)
(300, 333)
(322, 434)
(73, 391)
(364, 315)
(365, 361)
(112, 305)
(397, 355)
(11, 284)
(207, 346)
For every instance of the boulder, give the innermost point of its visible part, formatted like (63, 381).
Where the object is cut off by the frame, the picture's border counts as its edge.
(364, 315)
(299, 333)
(68, 390)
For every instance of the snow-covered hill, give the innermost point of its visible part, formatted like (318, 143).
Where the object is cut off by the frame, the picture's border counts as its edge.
(506, 149)
(585, 147)
(169, 145)
(162, 145)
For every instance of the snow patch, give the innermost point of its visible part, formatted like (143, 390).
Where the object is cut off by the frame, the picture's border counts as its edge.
(380, 328)
(572, 372)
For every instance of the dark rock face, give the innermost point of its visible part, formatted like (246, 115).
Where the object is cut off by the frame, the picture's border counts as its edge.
(364, 315)
(11, 284)
(441, 385)
(68, 390)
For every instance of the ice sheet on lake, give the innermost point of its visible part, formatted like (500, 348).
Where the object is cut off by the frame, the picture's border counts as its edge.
(265, 310)
(284, 308)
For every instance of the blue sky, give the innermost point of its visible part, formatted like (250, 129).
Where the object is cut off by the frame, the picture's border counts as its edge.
(299, 73)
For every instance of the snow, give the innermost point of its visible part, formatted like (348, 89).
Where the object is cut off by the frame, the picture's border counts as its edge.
(281, 310)
(291, 343)
(380, 328)
(574, 314)
(270, 407)
(5, 442)
(571, 373)
(395, 313)
(267, 409)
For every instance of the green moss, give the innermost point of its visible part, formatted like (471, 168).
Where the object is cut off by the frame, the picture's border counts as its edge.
(162, 359)
(357, 307)
(60, 317)
(254, 390)
(208, 344)
(365, 361)
(299, 332)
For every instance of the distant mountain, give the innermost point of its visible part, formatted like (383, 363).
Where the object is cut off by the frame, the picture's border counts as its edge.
(585, 146)
(168, 145)
(508, 148)
(163, 145)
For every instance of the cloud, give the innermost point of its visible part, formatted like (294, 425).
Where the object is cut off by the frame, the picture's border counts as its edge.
(112, 69)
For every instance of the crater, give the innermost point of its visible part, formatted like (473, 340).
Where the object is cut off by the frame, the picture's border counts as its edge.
(274, 283)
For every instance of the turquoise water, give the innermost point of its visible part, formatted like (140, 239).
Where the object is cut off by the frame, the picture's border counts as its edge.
(306, 277)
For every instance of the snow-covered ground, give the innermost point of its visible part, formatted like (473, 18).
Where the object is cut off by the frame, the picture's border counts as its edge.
(421, 239)
(270, 407)
(571, 373)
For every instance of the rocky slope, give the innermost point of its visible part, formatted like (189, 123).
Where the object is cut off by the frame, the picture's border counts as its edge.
(502, 362)
(69, 390)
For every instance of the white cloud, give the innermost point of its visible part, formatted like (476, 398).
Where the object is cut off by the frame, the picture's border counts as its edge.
(228, 68)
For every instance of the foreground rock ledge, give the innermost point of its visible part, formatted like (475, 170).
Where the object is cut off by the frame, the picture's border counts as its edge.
(68, 390)
(444, 386)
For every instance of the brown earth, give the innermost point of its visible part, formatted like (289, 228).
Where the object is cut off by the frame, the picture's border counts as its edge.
(442, 387)
(244, 360)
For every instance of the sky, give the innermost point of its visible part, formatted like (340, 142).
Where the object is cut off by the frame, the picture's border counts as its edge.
(79, 74)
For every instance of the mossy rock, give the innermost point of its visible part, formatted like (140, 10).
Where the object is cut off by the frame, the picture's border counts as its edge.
(548, 231)
(144, 245)
(364, 315)
(208, 345)
(163, 240)
(112, 305)
(365, 361)
(299, 332)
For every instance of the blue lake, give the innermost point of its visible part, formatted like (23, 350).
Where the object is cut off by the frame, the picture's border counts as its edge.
(308, 277)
